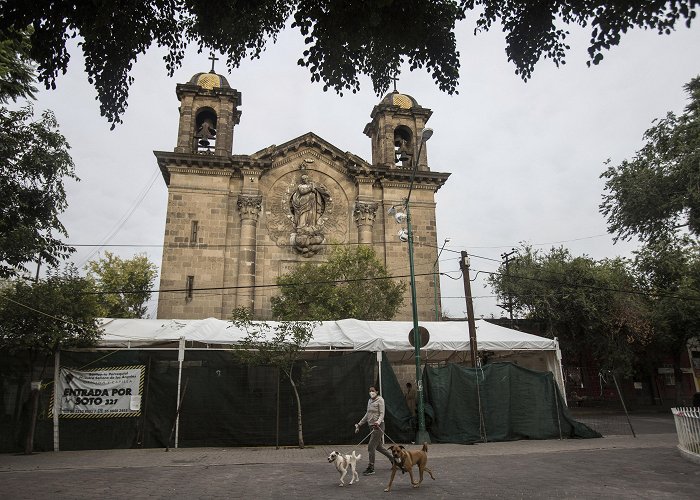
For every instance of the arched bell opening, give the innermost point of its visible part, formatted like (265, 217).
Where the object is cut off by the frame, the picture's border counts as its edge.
(403, 146)
(205, 131)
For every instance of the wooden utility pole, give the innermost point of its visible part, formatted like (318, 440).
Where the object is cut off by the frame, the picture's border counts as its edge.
(509, 307)
(464, 266)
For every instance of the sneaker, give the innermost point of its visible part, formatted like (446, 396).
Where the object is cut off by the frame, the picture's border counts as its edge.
(369, 470)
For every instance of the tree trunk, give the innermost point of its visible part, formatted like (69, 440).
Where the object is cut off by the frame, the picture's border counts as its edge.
(296, 394)
(29, 444)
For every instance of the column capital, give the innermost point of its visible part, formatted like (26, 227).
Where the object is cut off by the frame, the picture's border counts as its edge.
(249, 206)
(365, 212)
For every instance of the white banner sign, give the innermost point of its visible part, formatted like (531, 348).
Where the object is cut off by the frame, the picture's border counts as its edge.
(104, 392)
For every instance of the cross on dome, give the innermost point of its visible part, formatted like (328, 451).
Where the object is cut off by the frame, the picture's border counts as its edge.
(395, 79)
(213, 59)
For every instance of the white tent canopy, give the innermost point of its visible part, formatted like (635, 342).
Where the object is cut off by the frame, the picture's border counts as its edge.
(343, 334)
(449, 340)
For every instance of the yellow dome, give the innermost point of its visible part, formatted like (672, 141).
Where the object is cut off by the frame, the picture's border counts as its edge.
(400, 100)
(209, 81)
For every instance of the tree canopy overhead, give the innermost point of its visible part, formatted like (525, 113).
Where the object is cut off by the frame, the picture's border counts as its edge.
(344, 39)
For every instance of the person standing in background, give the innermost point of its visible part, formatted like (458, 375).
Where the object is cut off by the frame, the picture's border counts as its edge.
(410, 398)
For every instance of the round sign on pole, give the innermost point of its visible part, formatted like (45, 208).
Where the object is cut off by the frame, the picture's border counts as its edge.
(424, 336)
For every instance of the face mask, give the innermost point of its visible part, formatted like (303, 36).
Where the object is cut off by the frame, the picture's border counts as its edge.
(372, 394)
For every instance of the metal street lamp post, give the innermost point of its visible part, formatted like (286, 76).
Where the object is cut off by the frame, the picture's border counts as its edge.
(422, 436)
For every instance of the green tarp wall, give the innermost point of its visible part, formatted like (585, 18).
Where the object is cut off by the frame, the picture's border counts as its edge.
(229, 404)
(224, 404)
(514, 402)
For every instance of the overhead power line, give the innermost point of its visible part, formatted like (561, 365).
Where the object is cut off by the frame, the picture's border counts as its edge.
(391, 277)
(120, 223)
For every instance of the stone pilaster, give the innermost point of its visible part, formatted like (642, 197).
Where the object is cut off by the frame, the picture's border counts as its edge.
(249, 207)
(364, 214)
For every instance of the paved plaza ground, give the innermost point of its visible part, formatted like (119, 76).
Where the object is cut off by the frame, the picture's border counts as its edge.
(615, 466)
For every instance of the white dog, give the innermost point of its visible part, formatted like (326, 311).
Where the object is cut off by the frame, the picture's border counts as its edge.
(343, 463)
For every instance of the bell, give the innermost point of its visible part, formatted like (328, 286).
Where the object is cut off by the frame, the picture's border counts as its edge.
(401, 157)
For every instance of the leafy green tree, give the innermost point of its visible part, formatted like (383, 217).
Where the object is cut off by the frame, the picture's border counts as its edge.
(34, 162)
(125, 284)
(16, 72)
(280, 345)
(657, 194)
(594, 307)
(669, 272)
(344, 40)
(351, 284)
(655, 197)
(37, 319)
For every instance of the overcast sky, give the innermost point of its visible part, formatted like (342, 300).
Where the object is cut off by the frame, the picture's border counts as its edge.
(525, 158)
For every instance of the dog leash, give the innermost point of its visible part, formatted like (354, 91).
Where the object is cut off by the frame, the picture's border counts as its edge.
(383, 433)
(370, 433)
(387, 435)
(363, 439)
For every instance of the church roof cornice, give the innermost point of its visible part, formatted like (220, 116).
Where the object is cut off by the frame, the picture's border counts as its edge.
(402, 178)
(396, 110)
(197, 162)
(188, 88)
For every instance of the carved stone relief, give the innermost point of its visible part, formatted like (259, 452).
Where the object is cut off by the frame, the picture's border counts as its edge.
(305, 212)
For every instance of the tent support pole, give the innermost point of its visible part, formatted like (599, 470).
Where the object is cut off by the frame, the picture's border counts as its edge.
(56, 397)
(556, 402)
(180, 359)
(560, 371)
(622, 400)
(379, 366)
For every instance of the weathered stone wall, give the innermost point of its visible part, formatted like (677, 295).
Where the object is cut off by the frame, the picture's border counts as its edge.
(205, 198)
(211, 196)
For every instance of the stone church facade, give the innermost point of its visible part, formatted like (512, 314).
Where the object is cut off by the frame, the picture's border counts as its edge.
(236, 222)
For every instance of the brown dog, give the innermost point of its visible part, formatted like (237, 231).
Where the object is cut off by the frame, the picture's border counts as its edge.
(405, 460)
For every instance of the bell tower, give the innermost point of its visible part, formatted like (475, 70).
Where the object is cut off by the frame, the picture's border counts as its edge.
(212, 215)
(395, 130)
(400, 163)
(208, 114)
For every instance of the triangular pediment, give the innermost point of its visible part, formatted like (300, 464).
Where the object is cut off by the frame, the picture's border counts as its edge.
(349, 163)
(277, 152)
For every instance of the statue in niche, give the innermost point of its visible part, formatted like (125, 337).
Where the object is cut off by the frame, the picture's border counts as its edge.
(307, 205)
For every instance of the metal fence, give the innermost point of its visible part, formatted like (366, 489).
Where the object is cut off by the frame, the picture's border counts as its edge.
(688, 429)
